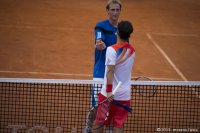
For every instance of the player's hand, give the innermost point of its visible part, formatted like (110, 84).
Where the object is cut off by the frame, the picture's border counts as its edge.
(100, 45)
(110, 96)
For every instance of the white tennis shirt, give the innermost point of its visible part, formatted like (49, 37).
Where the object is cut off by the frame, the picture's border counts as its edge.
(121, 55)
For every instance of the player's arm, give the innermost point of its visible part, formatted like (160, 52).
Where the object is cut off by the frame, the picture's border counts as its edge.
(99, 37)
(109, 77)
(110, 63)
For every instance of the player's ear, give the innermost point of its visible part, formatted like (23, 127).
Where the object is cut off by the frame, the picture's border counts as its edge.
(117, 32)
(107, 10)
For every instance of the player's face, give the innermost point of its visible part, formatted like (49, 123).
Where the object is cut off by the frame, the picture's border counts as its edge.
(114, 12)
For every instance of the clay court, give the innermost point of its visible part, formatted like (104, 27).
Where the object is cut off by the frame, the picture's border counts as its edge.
(54, 39)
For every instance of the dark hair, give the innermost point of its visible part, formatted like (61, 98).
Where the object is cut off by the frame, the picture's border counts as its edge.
(124, 29)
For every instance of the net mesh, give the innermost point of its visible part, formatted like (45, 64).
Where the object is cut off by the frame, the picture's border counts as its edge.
(61, 106)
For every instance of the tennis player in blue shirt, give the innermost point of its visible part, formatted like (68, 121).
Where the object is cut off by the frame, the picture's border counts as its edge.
(105, 36)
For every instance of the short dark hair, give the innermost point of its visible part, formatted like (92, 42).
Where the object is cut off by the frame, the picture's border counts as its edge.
(124, 29)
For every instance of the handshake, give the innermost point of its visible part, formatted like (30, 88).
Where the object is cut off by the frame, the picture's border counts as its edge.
(100, 45)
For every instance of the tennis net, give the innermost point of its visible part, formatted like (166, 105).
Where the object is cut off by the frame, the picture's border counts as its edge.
(61, 106)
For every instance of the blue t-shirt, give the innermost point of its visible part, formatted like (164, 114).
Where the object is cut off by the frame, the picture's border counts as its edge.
(108, 34)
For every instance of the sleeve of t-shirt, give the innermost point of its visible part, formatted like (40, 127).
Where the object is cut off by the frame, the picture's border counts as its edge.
(111, 56)
(99, 34)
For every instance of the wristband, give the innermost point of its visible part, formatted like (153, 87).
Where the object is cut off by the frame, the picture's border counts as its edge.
(109, 88)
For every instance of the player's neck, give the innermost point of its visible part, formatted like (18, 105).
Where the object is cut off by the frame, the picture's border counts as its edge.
(121, 40)
(113, 22)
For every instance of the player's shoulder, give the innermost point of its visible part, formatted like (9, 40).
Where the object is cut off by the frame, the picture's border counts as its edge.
(111, 49)
(129, 46)
(116, 46)
(119, 46)
(106, 27)
(102, 23)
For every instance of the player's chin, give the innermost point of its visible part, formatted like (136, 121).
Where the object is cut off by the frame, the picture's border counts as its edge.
(115, 18)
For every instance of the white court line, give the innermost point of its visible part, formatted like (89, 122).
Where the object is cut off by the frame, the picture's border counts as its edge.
(47, 73)
(29, 26)
(170, 34)
(166, 57)
(76, 75)
(45, 27)
(170, 61)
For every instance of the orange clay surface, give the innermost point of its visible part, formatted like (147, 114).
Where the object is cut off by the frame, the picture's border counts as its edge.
(55, 38)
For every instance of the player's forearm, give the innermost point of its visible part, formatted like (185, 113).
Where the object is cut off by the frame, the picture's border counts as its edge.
(110, 76)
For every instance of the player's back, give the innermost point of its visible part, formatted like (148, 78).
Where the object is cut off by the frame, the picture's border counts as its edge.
(121, 55)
